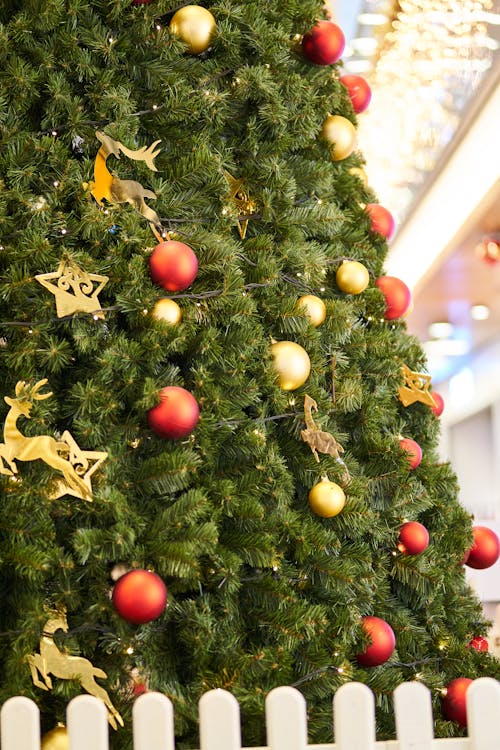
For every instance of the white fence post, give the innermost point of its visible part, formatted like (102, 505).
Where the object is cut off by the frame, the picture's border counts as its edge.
(220, 727)
(354, 717)
(20, 724)
(87, 723)
(153, 722)
(286, 719)
(483, 714)
(414, 720)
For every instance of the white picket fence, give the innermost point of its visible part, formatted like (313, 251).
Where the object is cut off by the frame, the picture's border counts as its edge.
(286, 721)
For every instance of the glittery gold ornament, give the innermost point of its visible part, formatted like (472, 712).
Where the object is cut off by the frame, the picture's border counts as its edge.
(326, 498)
(291, 363)
(314, 307)
(110, 188)
(195, 26)
(317, 439)
(245, 205)
(52, 661)
(56, 739)
(74, 289)
(416, 388)
(352, 277)
(360, 173)
(167, 310)
(341, 133)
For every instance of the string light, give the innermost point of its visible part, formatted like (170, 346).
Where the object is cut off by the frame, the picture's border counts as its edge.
(56, 183)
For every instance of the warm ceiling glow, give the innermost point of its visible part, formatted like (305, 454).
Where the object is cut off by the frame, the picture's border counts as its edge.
(372, 19)
(440, 330)
(480, 312)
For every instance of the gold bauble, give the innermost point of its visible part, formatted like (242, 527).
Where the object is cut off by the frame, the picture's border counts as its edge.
(326, 498)
(352, 277)
(56, 739)
(314, 308)
(341, 133)
(360, 173)
(292, 364)
(167, 310)
(195, 26)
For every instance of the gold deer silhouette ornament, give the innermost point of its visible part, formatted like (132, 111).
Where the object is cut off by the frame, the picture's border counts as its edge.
(52, 661)
(63, 455)
(317, 439)
(107, 186)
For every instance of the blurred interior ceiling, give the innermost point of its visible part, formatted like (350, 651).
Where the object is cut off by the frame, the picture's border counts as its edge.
(431, 140)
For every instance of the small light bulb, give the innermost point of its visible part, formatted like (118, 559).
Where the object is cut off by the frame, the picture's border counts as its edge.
(340, 670)
(111, 40)
(322, 289)
(64, 231)
(30, 330)
(54, 132)
(96, 317)
(130, 650)
(56, 183)
(155, 106)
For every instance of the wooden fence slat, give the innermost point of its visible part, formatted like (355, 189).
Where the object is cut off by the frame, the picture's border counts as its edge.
(414, 720)
(354, 717)
(483, 714)
(20, 724)
(87, 723)
(220, 727)
(153, 722)
(286, 719)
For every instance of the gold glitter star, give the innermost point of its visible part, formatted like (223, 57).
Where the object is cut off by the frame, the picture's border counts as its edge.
(74, 290)
(416, 388)
(82, 464)
(242, 201)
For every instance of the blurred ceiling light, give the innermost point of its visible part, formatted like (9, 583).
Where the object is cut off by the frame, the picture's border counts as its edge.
(446, 347)
(357, 66)
(480, 312)
(365, 45)
(372, 19)
(440, 330)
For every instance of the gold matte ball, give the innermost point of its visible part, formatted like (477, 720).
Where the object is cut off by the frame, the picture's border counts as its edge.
(314, 308)
(360, 173)
(56, 739)
(340, 132)
(291, 363)
(167, 310)
(195, 26)
(326, 499)
(352, 277)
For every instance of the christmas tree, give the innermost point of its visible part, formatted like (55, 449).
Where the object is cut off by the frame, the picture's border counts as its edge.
(219, 464)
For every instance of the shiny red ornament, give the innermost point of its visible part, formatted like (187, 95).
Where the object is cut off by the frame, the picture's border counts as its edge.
(176, 415)
(439, 401)
(359, 92)
(413, 538)
(397, 296)
(324, 44)
(383, 642)
(139, 596)
(485, 550)
(413, 451)
(381, 220)
(173, 265)
(489, 250)
(454, 703)
(479, 643)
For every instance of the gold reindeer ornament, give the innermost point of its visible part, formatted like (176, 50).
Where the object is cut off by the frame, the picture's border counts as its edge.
(318, 440)
(107, 186)
(63, 455)
(52, 661)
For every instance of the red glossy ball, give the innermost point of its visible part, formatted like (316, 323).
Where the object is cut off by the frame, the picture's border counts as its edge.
(454, 703)
(485, 550)
(139, 596)
(176, 415)
(413, 538)
(324, 44)
(413, 451)
(173, 265)
(383, 642)
(479, 643)
(359, 91)
(439, 401)
(381, 220)
(397, 296)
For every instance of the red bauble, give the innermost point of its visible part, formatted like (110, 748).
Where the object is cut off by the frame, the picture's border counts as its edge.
(173, 265)
(381, 220)
(383, 642)
(439, 401)
(358, 90)
(489, 250)
(397, 296)
(413, 538)
(176, 415)
(413, 451)
(485, 550)
(479, 643)
(324, 44)
(139, 596)
(454, 704)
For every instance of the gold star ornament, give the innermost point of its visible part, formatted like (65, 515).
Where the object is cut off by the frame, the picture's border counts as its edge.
(245, 205)
(416, 388)
(84, 463)
(75, 290)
